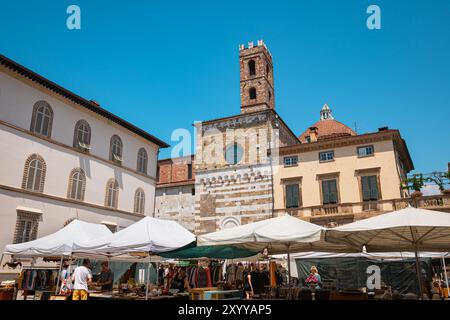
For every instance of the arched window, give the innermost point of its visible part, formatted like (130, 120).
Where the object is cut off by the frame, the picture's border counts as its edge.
(77, 184)
(34, 173)
(251, 67)
(252, 93)
(139, 201)
(115, 149)
(267, 70)
(270, 95)
(142, 160)
(42, 118)
(112, 193)
(82, 135)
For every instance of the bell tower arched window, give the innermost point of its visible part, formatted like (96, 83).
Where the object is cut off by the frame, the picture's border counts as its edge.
(252, 67)
(252, 93)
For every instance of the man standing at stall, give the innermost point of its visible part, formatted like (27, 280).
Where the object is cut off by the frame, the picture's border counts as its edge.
(82, 277)
(106, 277)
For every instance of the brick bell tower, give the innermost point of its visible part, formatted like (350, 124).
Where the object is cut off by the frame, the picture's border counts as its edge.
(256, 74)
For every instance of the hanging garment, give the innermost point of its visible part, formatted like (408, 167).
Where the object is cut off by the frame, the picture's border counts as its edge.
(273, 275)
(20, 280)
(203, 278)
(231, 274)
(240, 273)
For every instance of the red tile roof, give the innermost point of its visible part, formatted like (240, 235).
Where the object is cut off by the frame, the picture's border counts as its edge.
(328, 129)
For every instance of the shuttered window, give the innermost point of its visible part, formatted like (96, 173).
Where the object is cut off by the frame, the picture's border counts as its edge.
(329, 191)
(292, 196)
(369, 186)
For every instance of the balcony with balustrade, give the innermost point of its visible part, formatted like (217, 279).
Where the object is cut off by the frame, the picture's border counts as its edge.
(347, 212)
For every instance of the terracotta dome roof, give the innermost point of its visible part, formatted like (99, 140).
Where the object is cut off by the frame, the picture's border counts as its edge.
(327, 129)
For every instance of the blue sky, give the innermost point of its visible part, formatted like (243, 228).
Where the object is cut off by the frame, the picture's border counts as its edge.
(164, 64)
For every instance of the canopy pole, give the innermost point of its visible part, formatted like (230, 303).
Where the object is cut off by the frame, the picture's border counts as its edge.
(419, 273)
(157, 273)
(445, 274)
(289, 270)
(148, 279)
(59, 275)
(1, 260)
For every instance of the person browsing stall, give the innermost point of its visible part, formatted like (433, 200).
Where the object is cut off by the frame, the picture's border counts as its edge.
(105, 278)
(82, 278)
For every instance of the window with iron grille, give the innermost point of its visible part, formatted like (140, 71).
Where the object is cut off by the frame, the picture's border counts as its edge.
(26, 226)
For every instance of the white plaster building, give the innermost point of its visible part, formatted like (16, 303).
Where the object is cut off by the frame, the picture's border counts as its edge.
(65, 157)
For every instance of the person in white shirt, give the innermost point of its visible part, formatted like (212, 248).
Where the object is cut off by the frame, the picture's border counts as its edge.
(82, 278)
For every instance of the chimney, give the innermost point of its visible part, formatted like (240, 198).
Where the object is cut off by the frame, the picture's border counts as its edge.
(313, 134)
(383, 128)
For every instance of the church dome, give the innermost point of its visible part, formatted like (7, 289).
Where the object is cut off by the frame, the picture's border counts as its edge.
(326, 128)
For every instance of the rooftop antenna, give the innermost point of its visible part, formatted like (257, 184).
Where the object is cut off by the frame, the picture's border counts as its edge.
(356, 127)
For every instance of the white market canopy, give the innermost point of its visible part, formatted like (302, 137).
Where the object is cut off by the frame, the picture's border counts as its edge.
(59, 243)
(278, 235)
(409, 229)
(148, 235)
(372, 255)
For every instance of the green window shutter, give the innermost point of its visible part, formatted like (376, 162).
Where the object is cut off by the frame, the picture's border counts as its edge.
(373, 187)
(333, 191)
(292, 196)
(365, 184)
(326, 192)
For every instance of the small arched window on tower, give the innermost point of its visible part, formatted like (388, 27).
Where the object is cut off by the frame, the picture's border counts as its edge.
(252, 67)
(270, 95)
(252, 93)
(267, 70)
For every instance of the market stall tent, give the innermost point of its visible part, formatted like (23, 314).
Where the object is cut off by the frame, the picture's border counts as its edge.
(409, 229)
(59, 243)
(148, 235)
(284, 234)
(212, 252)
(277, 235)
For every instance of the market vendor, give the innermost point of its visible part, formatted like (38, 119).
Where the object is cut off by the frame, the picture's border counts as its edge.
(106, 277)
(180, 282)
